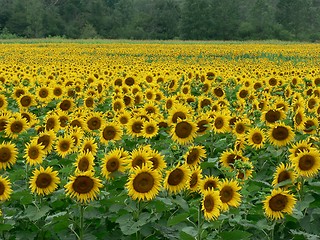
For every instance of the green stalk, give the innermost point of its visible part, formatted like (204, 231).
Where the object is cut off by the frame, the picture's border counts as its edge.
(199, 222)
(138, 233)
(81, 222)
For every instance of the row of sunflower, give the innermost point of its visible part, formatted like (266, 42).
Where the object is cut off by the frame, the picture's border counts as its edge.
(185, 129)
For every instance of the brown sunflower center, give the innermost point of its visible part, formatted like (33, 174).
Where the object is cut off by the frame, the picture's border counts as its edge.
(202, 126)
(63, 121)
(243, 93)
(218, 92)
(205, 102)
(280, 133)
(183, 129)
(283, 176)
(193, 180)
(33, 152)
(240, 128)
(57, 92)
(208, 203)
(138, 161)
(3, 124)
(150, 129)
(311, 103)
(272, 116)
(210, 184)
(143, 182)
(175, 177)
(309, 124)
(65, 105)
(94, 123)
(298, 118)
(83, 184)
(43, 180)
(226, 194)
(113, 164)
(123, 120)
(5, 154)
(256, 138)
(16, 127)
(137, 127)
(193, 156)
(1, 102)
(278, 202)
(50, 124)
(64, 145)
(89, 102)
(273, 81)
(177, 115)
(44, 140)
(306, 162)
(83, 164)
(43, 93)
(109, 133)
(218, 123)
(25, 101)
(129, 81)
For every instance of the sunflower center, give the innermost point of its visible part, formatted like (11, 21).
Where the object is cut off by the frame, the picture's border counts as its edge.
(3, 124)
(150, 129)
(208, 203)
(1, 102)
(109, 133)
(240, 128)
(257, 138)
(193, 156)
(193, 180)
(226, 194)
(89, 102)
(298, 118)
(306, 162)
(308, 126)
(218, 122)
(57, 92)
(272, 116)
(43, 180)
(273, 81)
(16, 127)
(94, 123)
(50, 124)
(26, 116)
(218, 92)
(83, 164)
(64, 145)
(137, 127)
(143, 182)
(43, 93)
(2, 188)
(177, 115)
(205, 102)
(202, 126)
(278, 202)
(83, 184)
(175, 177)
(44, 140)
(33, 152)
(243, 93)
(210, 184)
(280, 133)
(65, 105)
(283, 176)
(25, 101)
(183, 129)
(112, 165)
(123, 120)
(138, 161)
(5, 154)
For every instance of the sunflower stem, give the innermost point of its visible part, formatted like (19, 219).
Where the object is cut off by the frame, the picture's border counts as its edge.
(138, 233)
(199, 223)
(81, 222)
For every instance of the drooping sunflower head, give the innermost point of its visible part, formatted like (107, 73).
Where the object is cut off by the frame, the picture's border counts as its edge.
(229, 194)
(8, 155)
(278, 203)
(311, 125)
(209, 183)
(83, 186)
(143, 184)
(46, 139)
(5, 188)
(229, 157)
(177, 179)
(280, 134)
(211, 205)
(52, 122)
(204, 124)
(195, 179)
(272, 115)
(44, 181)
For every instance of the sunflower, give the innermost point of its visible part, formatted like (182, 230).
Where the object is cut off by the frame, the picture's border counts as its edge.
(44, 94)
(83, 186)
(157, 160)
(229, 194)
(118, 105)
(84, 162)
(144, 184)
(307, 163)
(178, 111)
(229, 157)
(184, 131)
(138, 157)
(195, 179)
(112, 163)
(46, 139)
(284, 172)
(5, 188)
(150, 129)
(256, 137)
(52, 122)
(34, 153)
(89, 145)
(240, 127)
(203, 124)
(220, 122)
(298, 147)
(3, 103)
(64, 146)
(280, 134)
(94, 121)
(15, 126)
(135, 127)
(57, 91)
(110, 132)
(123, 117)
(8, 155)
(26, 101)
(211, 205)
(4, 118)
(44, 181)
(278, 203)
(299, 119)
(209, 183)
(311, 125)
(177, 179)
(66, 104)
(32, 119)
(194, 155)
(271, 116)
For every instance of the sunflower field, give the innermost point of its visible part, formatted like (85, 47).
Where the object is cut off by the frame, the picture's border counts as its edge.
(159, 140)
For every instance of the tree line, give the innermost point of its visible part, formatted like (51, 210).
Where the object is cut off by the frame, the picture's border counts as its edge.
(162, 19)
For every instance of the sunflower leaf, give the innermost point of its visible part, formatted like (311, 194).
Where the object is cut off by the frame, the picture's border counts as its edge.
(177, 219)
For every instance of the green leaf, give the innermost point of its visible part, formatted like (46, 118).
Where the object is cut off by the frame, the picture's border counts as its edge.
(34, 214)
(185, 236)
(191, 231)
(5, 227)
(235, 234)
(177, 219)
